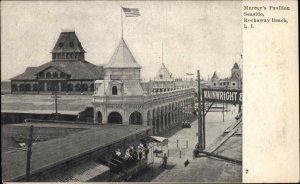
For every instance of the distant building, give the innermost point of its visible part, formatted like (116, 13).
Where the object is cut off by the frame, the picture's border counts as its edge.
(233, 82)
(67, 72)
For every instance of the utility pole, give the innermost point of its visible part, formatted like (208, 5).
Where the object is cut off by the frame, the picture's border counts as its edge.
(55, 101)
(200, 145)
(223, 111)
(203, 119)
(29, 144)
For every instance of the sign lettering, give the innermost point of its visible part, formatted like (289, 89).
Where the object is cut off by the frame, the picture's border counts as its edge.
(222, 95)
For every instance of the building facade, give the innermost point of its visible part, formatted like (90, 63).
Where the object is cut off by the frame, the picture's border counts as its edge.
(121, 99)
(233, 82)
(67, 72)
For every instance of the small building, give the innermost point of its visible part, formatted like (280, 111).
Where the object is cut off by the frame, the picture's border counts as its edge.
(68, 72)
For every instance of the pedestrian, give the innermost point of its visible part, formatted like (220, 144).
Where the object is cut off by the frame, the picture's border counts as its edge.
(187, 162)
(146, 153)
(165, 159)
(140, 155)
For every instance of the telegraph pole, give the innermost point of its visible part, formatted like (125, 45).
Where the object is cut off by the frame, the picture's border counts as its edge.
(29, 144)
(55, 101)
(200, 145)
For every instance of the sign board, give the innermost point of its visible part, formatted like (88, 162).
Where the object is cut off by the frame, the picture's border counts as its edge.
(233, 96)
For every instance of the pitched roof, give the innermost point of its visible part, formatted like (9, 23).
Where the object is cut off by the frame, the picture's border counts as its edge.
(166, 76)
(122, 58)
(67, 42)
(77, 70)
(235, 76)
(215, 76)
(235, 66)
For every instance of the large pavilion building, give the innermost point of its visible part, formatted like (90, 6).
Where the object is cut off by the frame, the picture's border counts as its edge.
(67, 72)
(121, 99)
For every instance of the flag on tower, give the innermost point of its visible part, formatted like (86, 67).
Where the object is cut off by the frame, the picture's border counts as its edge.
(131, 12)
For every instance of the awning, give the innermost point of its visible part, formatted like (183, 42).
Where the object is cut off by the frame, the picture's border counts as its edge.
(161, 141)
(158, 139)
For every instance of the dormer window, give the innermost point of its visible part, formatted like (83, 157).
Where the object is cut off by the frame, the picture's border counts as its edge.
(48, 75)
(71, 44)
(61, 44)
(114, 90)
(161, 76)
(55, 74)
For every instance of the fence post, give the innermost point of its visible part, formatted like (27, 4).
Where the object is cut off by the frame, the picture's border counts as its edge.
(187, 143)
(179, 153)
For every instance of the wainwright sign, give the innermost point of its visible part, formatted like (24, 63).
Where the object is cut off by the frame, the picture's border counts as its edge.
(222, 95)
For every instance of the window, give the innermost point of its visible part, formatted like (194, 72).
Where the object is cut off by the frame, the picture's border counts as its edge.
(161, 76)
(27, 87)
(48, 75)
(71, 44)
(61, 44)
(35, 87)
(114, 90)
(221, 84)
(62, 75)
(215, 84)
(92, 87)
(55, 74)
(77, 87)
(70, 87)
(233, 84)
(84, 87)
(14, 87)
(41, 75)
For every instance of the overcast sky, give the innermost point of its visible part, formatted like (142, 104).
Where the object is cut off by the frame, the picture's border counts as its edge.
(194, 34)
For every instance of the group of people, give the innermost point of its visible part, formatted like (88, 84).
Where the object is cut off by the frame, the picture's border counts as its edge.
(130, 158)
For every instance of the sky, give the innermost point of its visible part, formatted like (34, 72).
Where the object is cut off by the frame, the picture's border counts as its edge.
(195, 34)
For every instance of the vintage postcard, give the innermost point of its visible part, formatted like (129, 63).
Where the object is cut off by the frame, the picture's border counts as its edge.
(149, 91)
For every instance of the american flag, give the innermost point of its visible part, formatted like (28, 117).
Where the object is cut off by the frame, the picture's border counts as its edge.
(131, 12)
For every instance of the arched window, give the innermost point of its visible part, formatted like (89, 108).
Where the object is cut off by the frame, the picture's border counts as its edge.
(35, 87)
(92, 87)
(27, 87)
(77, 87)
(48, 75)
(114, 118)
(114, 90)
(84, 87)
(22, 87)
(55, 75)
(41, 75)
(136, 118)
(70, 87)
(14, 87)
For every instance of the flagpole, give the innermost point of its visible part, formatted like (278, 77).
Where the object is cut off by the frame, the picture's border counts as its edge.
(121, 22)
(162, 53)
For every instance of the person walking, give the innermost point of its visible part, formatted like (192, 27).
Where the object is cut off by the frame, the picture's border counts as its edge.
(165, 159)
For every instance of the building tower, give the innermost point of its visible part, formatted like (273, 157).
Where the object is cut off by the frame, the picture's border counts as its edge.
(118, 95)
(236, 78)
